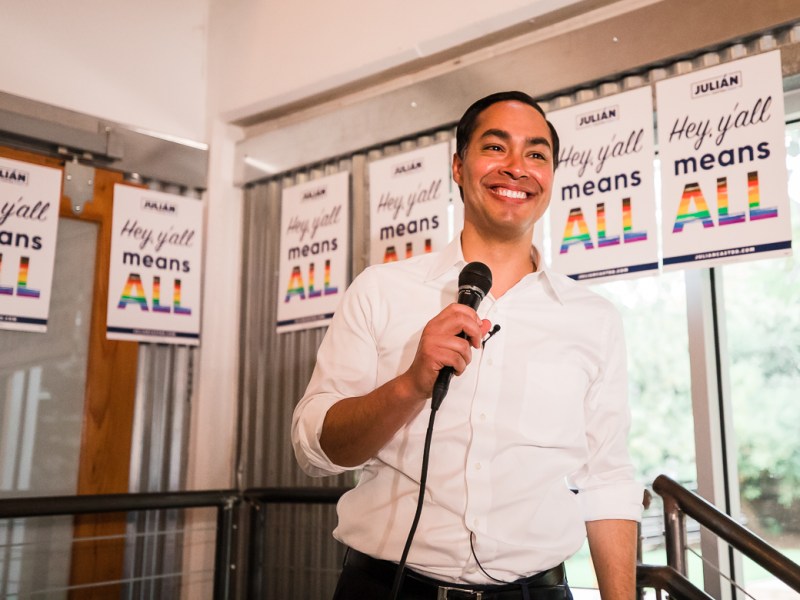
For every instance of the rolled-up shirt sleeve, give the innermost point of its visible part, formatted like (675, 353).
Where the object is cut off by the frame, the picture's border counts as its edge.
(346, 367)
(606, 483)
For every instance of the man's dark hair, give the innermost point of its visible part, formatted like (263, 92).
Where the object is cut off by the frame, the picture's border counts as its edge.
(467, 124)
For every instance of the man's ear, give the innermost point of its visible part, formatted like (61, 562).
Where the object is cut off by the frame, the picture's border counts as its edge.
(457, 165)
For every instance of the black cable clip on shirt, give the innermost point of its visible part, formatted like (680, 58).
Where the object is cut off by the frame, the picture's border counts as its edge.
(494, 330)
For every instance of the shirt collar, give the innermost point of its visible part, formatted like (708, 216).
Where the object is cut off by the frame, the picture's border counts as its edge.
(556, 284)
(449, 258)
(452, 257)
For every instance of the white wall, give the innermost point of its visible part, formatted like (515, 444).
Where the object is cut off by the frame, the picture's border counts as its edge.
(136, 63)
(145, 63)
(266, 54)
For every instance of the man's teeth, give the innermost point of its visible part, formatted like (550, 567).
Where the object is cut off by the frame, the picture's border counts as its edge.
(511, 193)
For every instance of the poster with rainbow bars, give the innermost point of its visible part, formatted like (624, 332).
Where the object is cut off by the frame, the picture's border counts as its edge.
(155, 273)
(723, 164)
(409, 198)
(602, 212)
(30, 196)
(315, 241)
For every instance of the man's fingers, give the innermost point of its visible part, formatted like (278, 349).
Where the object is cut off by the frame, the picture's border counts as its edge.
(441, 346)
(486, 325)
(456, 319)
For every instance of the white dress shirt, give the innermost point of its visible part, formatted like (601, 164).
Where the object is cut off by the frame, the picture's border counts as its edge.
(541, 408)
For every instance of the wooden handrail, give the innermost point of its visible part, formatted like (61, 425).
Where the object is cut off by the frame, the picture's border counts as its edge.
(678, 500)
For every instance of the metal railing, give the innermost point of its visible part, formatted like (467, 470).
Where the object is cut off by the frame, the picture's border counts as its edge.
(678, 503)
(259, 499)
(225, 501)
(666, 579)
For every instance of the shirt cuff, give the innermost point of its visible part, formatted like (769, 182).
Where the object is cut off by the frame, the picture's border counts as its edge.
(307, 429)
(621, 500)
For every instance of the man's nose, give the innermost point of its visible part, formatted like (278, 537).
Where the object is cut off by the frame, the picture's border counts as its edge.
(514, 166)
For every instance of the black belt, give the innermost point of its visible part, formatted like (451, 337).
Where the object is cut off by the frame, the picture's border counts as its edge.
(417, 585)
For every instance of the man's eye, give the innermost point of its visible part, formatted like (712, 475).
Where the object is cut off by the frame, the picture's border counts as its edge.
(494, 147)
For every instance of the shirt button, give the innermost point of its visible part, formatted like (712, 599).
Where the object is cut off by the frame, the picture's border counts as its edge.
(477, 466)
(490, 362)
(482, 416)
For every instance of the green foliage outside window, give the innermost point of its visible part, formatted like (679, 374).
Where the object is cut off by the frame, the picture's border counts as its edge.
(762, 303)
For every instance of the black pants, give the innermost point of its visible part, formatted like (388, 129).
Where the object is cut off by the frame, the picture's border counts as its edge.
(365, 578)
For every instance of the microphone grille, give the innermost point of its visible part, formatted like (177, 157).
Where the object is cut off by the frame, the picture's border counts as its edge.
(476, 274)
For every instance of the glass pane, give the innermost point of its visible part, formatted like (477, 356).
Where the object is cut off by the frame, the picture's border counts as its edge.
(42, 386)
(662, 432)
(762, 308)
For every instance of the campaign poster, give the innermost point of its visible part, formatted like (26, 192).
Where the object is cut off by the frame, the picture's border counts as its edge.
(409, 197)
(723, 164)
(603, 210)
(315, 239)
(155, 275)
(30, 196)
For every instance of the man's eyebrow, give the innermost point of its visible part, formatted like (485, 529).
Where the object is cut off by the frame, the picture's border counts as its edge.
(505, 136)
(498, 133)
(539, 141)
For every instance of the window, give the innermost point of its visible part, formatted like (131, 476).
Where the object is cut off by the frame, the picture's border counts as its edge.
(762, 309)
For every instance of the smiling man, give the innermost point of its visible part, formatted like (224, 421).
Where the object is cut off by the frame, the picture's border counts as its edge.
(535, 413)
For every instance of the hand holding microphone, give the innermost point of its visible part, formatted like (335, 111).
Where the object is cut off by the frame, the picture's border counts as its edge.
(445, 345)
(474, 282)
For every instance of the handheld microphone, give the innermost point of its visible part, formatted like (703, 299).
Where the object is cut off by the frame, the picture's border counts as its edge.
(474, 282)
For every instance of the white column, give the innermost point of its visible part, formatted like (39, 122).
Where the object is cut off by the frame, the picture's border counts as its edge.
(717, 478)
(213, 432)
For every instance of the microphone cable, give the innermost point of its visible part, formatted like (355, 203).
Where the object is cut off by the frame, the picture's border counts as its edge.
(423, 478)
(474, 282)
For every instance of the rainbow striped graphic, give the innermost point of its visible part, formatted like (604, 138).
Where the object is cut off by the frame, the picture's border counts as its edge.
(312, 293)
(390, 255)
(754, 200)
(602, 240)
(692, 194)
(5, 291)
(627, 224)
(391, 252)
(22, 280)
(157, 297)
(296, 286)
(575, 221)
(328, 288)
(725, 218)
(176, 300)
(133, 293)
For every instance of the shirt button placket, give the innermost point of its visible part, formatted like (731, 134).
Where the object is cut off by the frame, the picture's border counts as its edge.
(479, 476)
